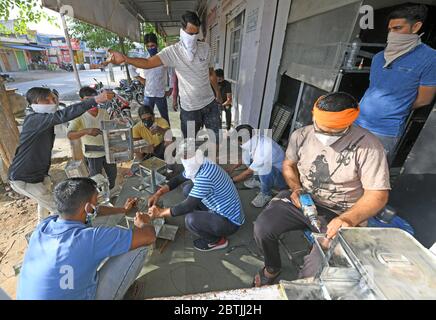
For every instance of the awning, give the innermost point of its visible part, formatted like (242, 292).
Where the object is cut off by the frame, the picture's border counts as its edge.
(108, 14)
(29, 48)
(124, 16)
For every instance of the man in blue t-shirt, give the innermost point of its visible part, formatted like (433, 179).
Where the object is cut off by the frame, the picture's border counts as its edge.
(403, 78)
(64, 254)
(212, 208)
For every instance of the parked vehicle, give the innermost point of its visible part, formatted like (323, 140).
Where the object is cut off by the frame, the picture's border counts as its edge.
(66, 66)
(7, 77)
(118, 108)
(132, 91)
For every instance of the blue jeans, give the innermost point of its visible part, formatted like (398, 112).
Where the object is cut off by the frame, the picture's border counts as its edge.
(271, 180)
(162, 106)
(209, 117)
(118, 274)
(390, 145)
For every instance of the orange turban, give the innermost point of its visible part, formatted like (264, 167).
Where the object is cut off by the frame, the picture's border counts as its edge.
(335, 120)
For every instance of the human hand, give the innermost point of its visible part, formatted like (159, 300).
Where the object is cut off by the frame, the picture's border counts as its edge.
(116, 57)
(153, 200)
(104, 97)
(335, 225)
(295, 198)
(141, 219)
(130, 204)
(169, 93)
(154, 212)
(93, 132)
(175, 106)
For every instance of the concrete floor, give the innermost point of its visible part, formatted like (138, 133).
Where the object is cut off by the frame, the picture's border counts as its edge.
(181, 270)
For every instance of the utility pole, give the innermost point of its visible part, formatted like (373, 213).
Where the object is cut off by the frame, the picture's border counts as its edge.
(70, 48)
(123, 50)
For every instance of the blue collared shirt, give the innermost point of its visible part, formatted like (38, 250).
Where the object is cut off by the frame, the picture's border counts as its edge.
(63, 256)
(389, 99)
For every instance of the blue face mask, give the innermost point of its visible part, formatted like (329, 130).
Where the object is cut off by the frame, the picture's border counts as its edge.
(152, 51)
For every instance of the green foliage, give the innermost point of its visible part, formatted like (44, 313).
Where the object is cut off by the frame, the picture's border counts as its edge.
(96, 37)
(29, 11)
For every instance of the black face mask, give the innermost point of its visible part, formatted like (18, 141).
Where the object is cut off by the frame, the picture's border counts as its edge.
(148, 123)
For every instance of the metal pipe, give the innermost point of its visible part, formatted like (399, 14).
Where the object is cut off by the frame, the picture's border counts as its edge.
(70, 48)
(297, 107)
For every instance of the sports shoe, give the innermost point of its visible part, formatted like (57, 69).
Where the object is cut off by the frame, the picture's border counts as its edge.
(261, 200)
(204, 246)
(252, 183)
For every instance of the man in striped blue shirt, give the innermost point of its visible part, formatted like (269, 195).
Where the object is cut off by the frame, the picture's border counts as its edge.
(212, 208)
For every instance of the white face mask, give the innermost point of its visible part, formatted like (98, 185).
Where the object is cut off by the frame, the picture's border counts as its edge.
(44, 108)
(399, 44)
(193, 164)
(327, 140)
(190, 43)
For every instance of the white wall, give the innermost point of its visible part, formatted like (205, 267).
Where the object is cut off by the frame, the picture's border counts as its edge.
(258, 76)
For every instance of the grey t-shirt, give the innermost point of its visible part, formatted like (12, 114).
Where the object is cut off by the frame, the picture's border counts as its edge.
(194, 82)
(337, 176)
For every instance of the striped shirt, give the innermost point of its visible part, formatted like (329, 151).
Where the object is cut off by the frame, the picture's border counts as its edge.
(217, 192)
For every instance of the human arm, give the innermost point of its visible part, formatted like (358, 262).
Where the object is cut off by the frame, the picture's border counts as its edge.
(119, 58)
(214, 83)
(292, 178)
(76, 135)
(141, 79)
(425, 96)
(186, 206)
(175, 91)
(143, 233)
(243, 176)
(73, 111)
(229, 101)
(172, 184)
(108, 211)
(368, 206)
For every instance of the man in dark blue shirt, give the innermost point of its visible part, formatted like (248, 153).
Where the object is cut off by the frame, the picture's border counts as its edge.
(403, 78)
(28, 174)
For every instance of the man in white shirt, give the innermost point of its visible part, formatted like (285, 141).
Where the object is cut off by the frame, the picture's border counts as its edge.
(155, 80)
(263, 157)
(192, 61)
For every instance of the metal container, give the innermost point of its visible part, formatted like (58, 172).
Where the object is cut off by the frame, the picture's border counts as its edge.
(118, 141)
(393, 264)
(374, 264)
(76, 169)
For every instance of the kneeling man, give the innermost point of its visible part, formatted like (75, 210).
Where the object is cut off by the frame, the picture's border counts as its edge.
(342, 166)
(212, 209)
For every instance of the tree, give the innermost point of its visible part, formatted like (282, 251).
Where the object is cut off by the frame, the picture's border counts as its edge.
(96, 37)
(29, 11)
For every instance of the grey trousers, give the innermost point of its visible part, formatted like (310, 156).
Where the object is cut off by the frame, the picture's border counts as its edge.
(118, 274)
(280, 217)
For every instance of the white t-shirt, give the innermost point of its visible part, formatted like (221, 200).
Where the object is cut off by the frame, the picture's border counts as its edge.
(263, 154)
(194, 83)
(156, 80)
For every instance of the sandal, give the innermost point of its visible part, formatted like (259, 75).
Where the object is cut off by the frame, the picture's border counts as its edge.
(264, 280)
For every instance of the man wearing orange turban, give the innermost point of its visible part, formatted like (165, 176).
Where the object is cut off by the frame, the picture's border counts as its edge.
(341, 166)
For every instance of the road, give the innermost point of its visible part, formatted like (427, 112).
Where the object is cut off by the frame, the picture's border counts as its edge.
(66, 83)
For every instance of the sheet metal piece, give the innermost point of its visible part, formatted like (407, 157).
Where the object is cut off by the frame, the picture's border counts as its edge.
(393, 263)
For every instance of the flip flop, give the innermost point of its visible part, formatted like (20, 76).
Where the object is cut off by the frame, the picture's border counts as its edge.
(264, 280)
